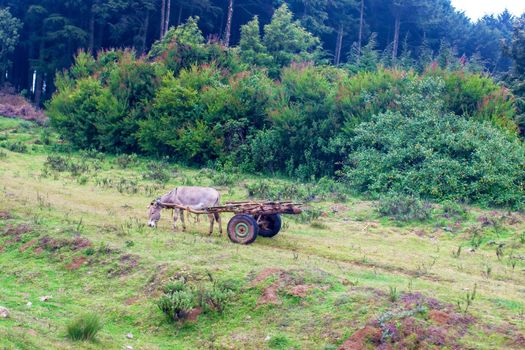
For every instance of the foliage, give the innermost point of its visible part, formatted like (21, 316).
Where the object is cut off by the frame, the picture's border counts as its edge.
(9, 36)
(404, 208)
(180, 297)
(85, 327)
(438, 156)
(287, 41)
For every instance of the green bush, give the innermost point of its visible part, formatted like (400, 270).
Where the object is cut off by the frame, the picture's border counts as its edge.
(15, 146)
(439, 156)
(180, 297)
(404, 208)
(85, 327)
(178, 300)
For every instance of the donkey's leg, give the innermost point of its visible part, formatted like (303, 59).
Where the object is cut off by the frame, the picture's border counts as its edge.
(182, 220)
(210, 216)
(219, 223)
(175, 218)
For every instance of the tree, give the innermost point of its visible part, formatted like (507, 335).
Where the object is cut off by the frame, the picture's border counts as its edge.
(342, 21)
(227, 32)
(252, 50)
(287, 41)
(9, 35)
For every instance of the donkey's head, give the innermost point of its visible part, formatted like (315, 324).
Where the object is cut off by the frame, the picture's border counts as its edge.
(154, 212)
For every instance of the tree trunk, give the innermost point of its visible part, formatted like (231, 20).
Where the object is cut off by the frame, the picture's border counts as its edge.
(162, 17)
(91, 44)
(180, 15)
(168, 14)
(144, 38)
(38, 88)
(361, 24)
(339, 45)
(396, 37)
(227, 32)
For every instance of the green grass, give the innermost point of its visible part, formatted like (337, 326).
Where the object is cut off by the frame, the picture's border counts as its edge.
(351, 258)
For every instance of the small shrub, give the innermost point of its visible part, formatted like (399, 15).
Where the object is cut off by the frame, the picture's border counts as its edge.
(224, 179)
(156, 171)
(216, 298)
(469, 299)
(16, 146)
(92, 154)
(45, 136)
(84, 327)
(56, 163)
(177, 301)
(126, 160)
(280, 342)
(454, 210)
(404, 208)
(393, 294)
(308, 215)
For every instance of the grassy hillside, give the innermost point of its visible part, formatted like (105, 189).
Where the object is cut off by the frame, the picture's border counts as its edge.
(346, 278)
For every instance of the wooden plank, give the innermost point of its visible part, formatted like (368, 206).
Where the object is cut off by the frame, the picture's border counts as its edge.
(252, 208)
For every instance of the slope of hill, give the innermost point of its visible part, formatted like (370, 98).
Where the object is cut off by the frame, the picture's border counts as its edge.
(73, 239)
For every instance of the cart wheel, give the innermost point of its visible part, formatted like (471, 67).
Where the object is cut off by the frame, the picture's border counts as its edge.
(242, 229)
(269, 225)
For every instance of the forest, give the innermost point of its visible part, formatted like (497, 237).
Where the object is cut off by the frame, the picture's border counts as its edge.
(382, 96)
(46, 34)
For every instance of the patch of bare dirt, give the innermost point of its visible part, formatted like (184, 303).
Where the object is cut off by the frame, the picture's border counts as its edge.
(439, 317)
(27, 245)
(5, 215)
(269, 295)
(76, 263)
(300, 290)
(289, 282)
(362, 338)
(264, 274)
(194, 314)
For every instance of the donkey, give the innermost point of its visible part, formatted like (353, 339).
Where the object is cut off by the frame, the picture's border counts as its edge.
(196, 198)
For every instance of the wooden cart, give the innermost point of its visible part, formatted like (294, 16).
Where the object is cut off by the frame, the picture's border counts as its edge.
(251, 219)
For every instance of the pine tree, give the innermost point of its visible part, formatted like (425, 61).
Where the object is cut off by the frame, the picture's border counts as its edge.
(252, 50)
(287, 41)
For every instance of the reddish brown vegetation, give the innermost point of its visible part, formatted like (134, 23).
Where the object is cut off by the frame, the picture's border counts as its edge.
(15, 106)
(5, 215)
(54, 244)
(16, 233)
(76, 263)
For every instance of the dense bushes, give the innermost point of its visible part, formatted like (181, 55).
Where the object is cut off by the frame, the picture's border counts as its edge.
(436, 155)
(430, 134)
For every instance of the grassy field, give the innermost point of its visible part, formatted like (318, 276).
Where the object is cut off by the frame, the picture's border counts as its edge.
(347, 278)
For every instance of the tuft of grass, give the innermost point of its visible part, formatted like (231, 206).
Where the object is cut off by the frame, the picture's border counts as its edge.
(319, 225)
(393, 294)
(83, 328)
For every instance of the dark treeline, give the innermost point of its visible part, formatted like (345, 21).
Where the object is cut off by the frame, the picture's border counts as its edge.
(52, 31)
